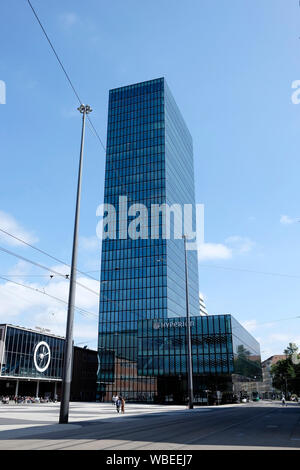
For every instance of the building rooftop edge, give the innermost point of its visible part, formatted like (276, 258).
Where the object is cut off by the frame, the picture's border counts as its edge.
(45, 333)
(137, 83)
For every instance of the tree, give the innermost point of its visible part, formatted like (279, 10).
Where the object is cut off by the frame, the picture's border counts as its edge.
(291, 349)
(286, 373)
(282, 372)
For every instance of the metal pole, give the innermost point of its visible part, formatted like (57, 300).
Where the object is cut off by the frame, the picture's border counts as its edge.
(17, 388)
(68, 351)
(188, 335)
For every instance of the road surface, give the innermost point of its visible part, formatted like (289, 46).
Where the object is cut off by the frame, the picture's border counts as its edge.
(95, 426)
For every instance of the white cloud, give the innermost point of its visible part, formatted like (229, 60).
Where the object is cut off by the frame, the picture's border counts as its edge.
(274, 337)
(240, 244)
(62, 269)
(250, 325)
(213, 251)
(10, 224)
(90, 243)
(234, 245)
(90, 254)
(279, 337)
(29, 308)
(287, 220)
(20, 269)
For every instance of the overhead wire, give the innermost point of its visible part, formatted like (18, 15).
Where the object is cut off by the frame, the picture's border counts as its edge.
(27, 260)
(44, 253)
(103, 147)
(65, 72)
(71, 84)
(269, 273)
(49, 295)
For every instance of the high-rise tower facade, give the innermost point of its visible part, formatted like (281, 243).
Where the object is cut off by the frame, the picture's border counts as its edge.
(149, 162)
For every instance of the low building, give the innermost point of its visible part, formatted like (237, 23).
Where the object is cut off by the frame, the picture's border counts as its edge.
(266, 388)
(85, 363)
(225, 357)
(263, 387)
(31, 364)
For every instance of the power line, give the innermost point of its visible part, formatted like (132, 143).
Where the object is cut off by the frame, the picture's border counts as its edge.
(66, 276)
(49, 295)
(275, 321)
(270, 322)
(27, 275)
(248, 271)
(65, 72)
(44, 252)
(71, 84)
(269, 273)
(97, 135)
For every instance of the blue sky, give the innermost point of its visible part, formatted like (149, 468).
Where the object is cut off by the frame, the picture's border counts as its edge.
(230, 65)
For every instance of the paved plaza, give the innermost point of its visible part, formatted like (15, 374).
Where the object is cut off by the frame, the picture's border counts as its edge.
(264, 425)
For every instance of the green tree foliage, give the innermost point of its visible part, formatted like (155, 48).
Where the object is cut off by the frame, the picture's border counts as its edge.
(285, 373)
(291, 349)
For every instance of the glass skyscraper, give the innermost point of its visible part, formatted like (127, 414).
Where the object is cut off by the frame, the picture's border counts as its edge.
(149, 161)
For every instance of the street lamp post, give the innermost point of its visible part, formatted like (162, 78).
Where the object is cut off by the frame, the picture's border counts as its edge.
(188, 335)
(68, 351)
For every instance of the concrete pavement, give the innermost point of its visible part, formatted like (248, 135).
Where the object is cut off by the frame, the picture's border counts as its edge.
(95, 426)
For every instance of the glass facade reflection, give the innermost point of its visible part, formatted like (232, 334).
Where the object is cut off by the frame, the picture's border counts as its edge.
(31, 364)
(224, 357)
(149, 160)
(162, 347)
(223, 354)
(246, 353)
(17, 350)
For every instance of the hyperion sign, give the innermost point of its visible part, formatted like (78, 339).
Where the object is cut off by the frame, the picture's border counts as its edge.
(169, 325)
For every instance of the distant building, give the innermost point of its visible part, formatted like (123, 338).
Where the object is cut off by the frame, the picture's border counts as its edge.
(266, 387)
(31, 364)
(263, 386)
(202, 305)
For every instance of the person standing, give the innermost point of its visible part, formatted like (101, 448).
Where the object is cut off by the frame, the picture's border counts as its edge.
(122, 405)
(283, 401)
(118, 404)
(114, 399)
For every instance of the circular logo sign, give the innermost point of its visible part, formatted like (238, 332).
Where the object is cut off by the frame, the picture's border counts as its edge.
(42, 356)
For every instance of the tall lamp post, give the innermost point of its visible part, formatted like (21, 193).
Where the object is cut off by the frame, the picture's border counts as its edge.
(188, 335)
(68, 351)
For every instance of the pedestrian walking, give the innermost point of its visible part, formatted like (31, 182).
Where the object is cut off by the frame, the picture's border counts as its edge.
(283, 403)
(114, 399)
(118, 404)
(122, 405)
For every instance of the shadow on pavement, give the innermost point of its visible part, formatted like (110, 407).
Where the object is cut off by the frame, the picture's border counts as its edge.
(260, 425)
